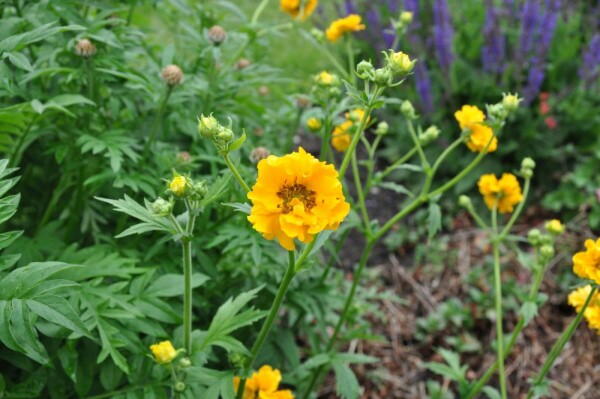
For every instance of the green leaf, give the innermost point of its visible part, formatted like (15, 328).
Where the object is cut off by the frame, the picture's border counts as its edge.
(21, 280)
(528, 310)
(237, 143)
(150, 221)
(9, 237)
(5, 334)
(492, 393)
(21, 40)
(170, 285)
(22, 331)
(59, 311)
(8, 207)
(20, 61)
(346, 384)
(434, 220)
(398, 188)
(239, 206)
(66, 100)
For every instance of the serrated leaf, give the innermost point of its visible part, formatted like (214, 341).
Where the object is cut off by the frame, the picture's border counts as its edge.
(8, 207)
(239, 206)
(398, 188)
(128, 206)
(59, 311)
(22, 331)
(346, 384)
(20, 280)
(434, 220)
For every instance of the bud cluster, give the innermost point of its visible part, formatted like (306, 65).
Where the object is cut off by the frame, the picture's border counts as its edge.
(527, 166)
(544, 242)
(182, 187)
(326, 86)
(429, 135)
(499, 112)
(397, 66)
(221, 136)
(404, 20)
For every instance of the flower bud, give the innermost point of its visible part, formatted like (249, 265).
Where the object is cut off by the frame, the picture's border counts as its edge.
(555, 227)
(242, 63)
(313, 124)
(185, 362)
(161, 207)
(199, 190)
(258, 154)
(318, 34)
(534, 237)
(179, 386)
(382, 128)
(85, 48)
(408, 110)
(400, 63)
(365, 70)
(303, 102)
(263, 91)
(225, 135)
(406, 17)
(546, 253)
(464, 201)
(183, 157)
(178, 185)
(383, 77)
(326, 79)
(163, 352)
(429, 135)
(172, 75)
(208, 126)
(527, 166)
(510, 102)
(217, 35)
(497, 112)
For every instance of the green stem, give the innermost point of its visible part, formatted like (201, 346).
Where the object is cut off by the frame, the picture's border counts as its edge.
(157, 121)
(186, 240)
(333, 259)
(130, 13)
(359, 132)
(560, 343)
(258, 11)
(89, 66)
(478, 219)
(17, 8)
(326, 134)
(235, 172)
(266, 327)
(175, 223)
(399, 162)
(517, 211)
(351, 65)
(480, 383)
(418, 146)
(498, 298)
(361, 196)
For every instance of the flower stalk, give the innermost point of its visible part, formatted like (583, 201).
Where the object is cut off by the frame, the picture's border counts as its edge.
(157, 121)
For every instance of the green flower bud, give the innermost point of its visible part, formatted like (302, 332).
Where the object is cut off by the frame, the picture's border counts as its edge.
(555, 227)
(185, 362)
(199, 190)
(208, 126)
(527, 166)
(179, 386)
(511, 102)
(383, 77)
(318, 34)
(382, 128)
(464, 201)
(406, 17)
(400, 63)
(408, 110)
(429, 135)
(365, 70)
(534, 237)
(546, 252)
(497, 112)
(160, 207)
(225, 135)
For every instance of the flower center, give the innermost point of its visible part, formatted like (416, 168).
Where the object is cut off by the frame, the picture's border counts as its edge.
(288, 192)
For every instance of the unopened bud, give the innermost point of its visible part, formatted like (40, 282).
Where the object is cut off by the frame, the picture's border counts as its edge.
(429, 135)
(383, 77)
(225, 135)
(178, 185)
(183, 157)
(382, 128)
(325, 79)
(464, 201)
(199, 190)
(510, 102)
(242, 63)
(406, 17)
(546, 252)
(400, 63)
(85, 48)
(534, 237)
(555, 227)
(185, 362)
(179, 386)
(317, 34)
(208, 126)
(303, 102)
(217, 35)
(258, 154)
(172, 75)
(313, 124)
(263, 91)
(161, 207)
(365, 70)
(527, 166)
(408, 110)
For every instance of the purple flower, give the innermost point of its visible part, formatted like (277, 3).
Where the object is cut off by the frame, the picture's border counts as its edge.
(535, 78)
(590, 66)
(547, 27)
(423, 85)
(529, 21)
(350, 7)
(494, 48)
(443, 33)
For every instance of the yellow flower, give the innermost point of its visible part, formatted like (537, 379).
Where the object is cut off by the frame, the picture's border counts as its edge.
(178, 185)
(469, 115)
(577, 299)
(480, 136)
(400, 63)
(341, 138)
(406, 17)
(586, 264)
(325, 78)
(352, 23)
(506, 191)
(313, 124)
(296, 196)
(263, 385)
(555, 227)
(163, 352)
(293, 8)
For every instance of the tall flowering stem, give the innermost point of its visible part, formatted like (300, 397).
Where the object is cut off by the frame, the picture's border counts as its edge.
(157, 120)
(186, 240)
(560, 344)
